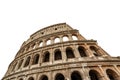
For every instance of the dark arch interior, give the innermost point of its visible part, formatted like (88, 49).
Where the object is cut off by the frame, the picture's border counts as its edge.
(13, 67)
(20, 64)
(59, 77)
(111, 74)
(93, 49)
(69, 53)
(82, 52)
(31, 78)
(36, 59)
(20, 79)
(111, 77)
(44, 78)
(75, 76)
(27, 62)
(93, 75)
(46, 57)
(58, 55)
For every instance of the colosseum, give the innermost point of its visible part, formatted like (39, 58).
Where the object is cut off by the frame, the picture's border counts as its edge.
(59, 52)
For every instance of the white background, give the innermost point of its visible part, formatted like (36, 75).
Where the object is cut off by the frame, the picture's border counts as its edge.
(95, 19)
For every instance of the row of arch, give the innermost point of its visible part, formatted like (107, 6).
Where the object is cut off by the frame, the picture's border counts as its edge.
(75, 75)
(50, 41)
(58, 55)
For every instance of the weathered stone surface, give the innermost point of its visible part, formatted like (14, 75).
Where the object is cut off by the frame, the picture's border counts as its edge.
(59, 52)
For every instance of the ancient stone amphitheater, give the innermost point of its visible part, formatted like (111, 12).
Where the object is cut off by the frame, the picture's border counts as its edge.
(59, 52)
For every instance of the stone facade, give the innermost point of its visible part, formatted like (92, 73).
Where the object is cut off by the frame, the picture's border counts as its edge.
(59, 52)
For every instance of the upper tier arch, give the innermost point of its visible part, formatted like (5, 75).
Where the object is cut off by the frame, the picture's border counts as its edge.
(53, 30)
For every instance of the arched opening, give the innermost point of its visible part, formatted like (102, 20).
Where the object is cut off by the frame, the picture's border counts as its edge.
(36, 59)
(28, 47)
(20, 79)
(46, 57)
(20, 64)
(82, 51)
(44, 77)
(31, 78)
(74, 37)
(76, 76)
(22, 51)
(33, 46)
(41, 44)
(65, 38)
(14, 66)
(69, 53)
(112, 75)
(48, 42)
(57, 55)
(59, 77)
(94, 75)
(57, 40)
(27, 61)
(94, 51)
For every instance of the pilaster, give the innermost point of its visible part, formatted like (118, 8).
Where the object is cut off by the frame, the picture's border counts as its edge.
(76, 52)
(103, 73)
(88, 51)
(64, 57)
(85, 72)
(70, 37)
(51, 56)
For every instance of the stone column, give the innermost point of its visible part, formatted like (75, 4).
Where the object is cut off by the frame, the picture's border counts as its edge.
(37, 44)
(64, 57)
(76, 52)
(70, 37)
(40, 58)
(52, 40)
(30, 48)
(23, 63)
(37, 76)
(67, 75)
(24, 50)
(31, 60)
(51, 56)
(61, 39)
(85, 71)
(51, 76)
(118, 72)
(88, 51)
(105, 77)
(25, 78)
(98, 51)
(77, 35)
(117, 69)
(16, 66)
(44, 43)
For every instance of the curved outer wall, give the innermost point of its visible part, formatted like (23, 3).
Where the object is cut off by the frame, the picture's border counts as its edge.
(59, 52)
